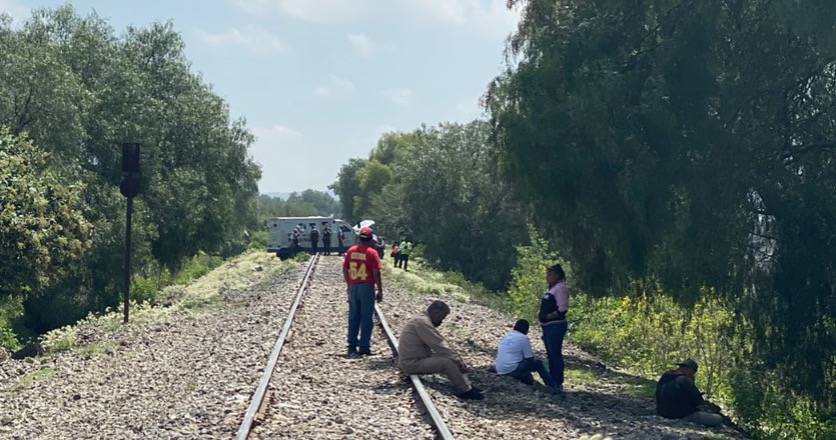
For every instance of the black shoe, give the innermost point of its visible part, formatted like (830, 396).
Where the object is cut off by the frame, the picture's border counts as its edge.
(472, 394)
(352, 351)
(365, 352)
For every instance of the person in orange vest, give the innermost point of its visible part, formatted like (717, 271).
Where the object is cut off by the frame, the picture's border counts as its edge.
(361, 270)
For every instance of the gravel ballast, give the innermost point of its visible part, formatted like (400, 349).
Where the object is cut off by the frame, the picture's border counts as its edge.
(188, 376)
(191, 375)
(512, 410)
(319, 392)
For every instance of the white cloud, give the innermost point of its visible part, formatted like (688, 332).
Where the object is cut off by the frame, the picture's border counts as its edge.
(334, 87)
(401, 96)
(362, 44)
(16, 9)
(275, 132)
(318, 11)
(252, 38)
(489, 16)
(454, 11)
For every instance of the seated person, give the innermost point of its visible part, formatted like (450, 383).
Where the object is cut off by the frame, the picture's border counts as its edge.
(422, 350)
(677, 397)
(516, 359)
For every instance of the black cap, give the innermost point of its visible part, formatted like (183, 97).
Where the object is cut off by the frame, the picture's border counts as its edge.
(690, 363)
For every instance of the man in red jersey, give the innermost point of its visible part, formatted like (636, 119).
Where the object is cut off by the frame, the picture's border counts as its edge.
(361, 270)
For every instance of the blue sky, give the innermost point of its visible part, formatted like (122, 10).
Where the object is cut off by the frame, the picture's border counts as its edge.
(319, 80)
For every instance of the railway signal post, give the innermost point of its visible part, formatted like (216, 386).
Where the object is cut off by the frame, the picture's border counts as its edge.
(130, 189)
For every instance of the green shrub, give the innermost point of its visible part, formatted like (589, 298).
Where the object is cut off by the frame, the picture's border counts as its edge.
(196, 267)
(8, 340)
(528, 278)
(258, 240)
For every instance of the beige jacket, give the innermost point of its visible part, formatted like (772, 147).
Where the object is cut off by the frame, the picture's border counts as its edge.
(420, 340)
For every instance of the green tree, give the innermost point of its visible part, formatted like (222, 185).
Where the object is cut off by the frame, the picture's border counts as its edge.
(347, 187)
(79, 91)
(42, 226)
(690, 141)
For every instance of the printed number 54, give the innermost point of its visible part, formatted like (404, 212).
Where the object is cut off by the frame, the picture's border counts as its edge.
(357, 271)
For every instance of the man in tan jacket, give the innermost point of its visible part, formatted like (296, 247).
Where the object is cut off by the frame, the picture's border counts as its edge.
(422, 350)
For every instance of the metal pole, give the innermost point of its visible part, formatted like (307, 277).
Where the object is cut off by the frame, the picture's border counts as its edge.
(128, 256)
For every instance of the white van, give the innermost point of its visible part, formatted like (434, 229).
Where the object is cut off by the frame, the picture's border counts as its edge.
(281, 233)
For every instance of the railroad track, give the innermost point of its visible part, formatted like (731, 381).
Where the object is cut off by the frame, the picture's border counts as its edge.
(252, 415)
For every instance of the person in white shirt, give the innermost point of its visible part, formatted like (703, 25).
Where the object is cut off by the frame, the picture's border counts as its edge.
(515, 357)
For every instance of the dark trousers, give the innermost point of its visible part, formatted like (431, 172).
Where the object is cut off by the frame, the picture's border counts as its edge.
(360, 311)
(397, 258)
(405, 262)
(340, 246)
(553, 340)
(314, 245)
(326, 245)
(526, 367)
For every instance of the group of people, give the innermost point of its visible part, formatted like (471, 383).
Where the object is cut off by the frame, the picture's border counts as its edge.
(314, 236)
(422, 349)
(400, 254)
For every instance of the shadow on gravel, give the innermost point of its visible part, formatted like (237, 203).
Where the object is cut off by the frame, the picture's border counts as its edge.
(605, 398)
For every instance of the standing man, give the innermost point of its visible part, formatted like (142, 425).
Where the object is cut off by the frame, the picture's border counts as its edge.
(515, 357)
(326, 238)
(406, 249)
(314, 238)
(421, 350)
(340, 240)
(361, 270)
(553, 308)
(295, 239)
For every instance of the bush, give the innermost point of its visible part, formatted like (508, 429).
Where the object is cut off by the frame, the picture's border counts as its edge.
(196, 267)
(8, 340)
(528, 278)
(258, 240)
(146, 288)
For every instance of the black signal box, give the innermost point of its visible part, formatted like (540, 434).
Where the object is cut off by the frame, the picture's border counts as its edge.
(130, 158)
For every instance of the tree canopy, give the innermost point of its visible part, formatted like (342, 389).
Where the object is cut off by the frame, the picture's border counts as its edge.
(78, 90)
(688, 141)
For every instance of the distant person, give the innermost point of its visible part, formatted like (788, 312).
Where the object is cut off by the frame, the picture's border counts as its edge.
(515, 357)
(421, 350)
(361, 270)
(381, 246)
(295, 239)
(677, 397)
(340, 241)
(553, 308)
(314, 239)
(406, 250)
(396, 253)
(326, 238)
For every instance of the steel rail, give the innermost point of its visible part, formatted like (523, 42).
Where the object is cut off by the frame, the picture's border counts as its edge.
(437, 421)
(261, 391)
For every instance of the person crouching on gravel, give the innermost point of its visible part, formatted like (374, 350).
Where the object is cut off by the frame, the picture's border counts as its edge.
(515, 358)
(361, 270)
(422, 350)
(677, 397)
